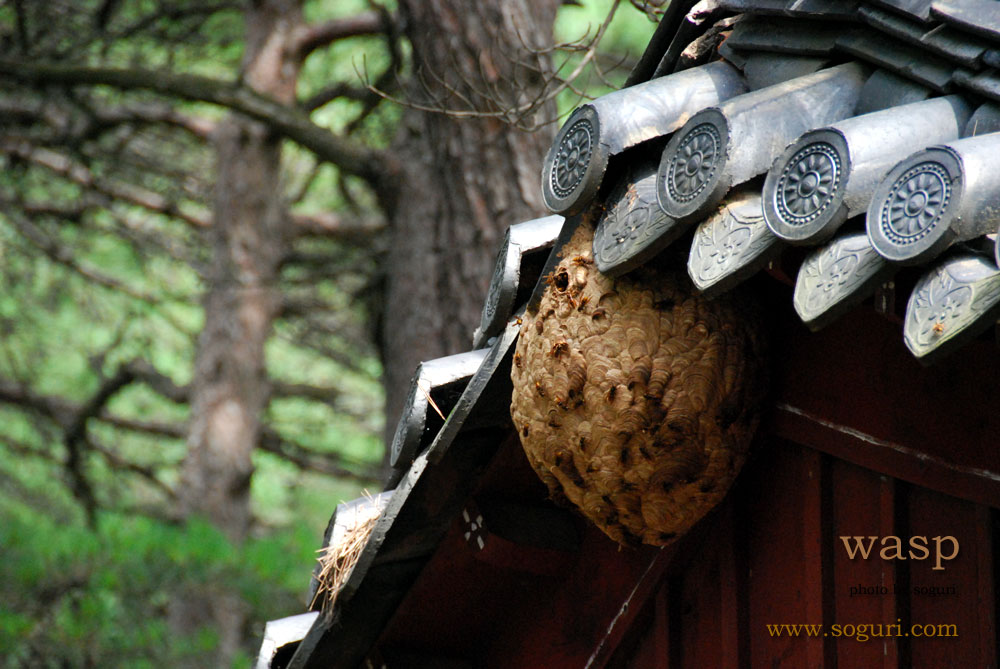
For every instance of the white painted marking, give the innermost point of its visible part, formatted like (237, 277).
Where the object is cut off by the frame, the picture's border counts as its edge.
(875, 441)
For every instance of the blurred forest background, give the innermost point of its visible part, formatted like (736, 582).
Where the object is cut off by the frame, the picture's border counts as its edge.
(221, 256)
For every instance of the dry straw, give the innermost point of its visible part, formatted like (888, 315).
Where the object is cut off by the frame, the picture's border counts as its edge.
(337, 560)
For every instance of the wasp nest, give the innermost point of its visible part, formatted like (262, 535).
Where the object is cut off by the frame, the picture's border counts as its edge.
(635, 398)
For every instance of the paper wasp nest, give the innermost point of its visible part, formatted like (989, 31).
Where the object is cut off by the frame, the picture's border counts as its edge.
(634, 398)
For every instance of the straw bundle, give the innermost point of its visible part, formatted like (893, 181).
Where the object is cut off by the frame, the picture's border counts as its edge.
(634, 398)
(337, 560)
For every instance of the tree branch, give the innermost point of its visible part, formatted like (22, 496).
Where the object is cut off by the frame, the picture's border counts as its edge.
(56, 409)
(62, 255)
(161, 383)
(319, 393)
(73, 417)
(167, 13)
(316, 36)
(169, 430)
(369, 164)
(79, 174)
(338, 90)
(59, 119)
(303, 458)
(116, 461)
(75, 438)
(334, 226)
(323, 224)
(147, 114)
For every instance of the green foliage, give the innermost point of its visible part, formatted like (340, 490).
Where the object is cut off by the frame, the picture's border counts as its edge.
(72, 596)
(83, 295)
(76, 597)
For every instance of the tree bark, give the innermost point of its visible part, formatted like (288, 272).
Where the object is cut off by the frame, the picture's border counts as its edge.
(462, 181)
(230, 387)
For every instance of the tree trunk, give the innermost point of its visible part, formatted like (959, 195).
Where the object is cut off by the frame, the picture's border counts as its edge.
(230, 385)
(463, 181)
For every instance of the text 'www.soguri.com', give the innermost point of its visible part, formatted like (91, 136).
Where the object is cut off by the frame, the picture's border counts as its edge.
(863, 631)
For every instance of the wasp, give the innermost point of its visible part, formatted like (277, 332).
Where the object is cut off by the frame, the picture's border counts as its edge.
(558, 349)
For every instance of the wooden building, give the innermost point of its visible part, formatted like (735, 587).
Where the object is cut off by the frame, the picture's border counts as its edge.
(471, 565)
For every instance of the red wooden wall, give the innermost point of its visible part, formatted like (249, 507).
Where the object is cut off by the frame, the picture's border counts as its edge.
(773, 557)
(769, 555)
(861, 441)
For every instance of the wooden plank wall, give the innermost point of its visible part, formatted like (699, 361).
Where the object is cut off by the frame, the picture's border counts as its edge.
(773, 556)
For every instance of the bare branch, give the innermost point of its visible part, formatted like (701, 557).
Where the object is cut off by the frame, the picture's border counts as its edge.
(653, 9)
(497, 105)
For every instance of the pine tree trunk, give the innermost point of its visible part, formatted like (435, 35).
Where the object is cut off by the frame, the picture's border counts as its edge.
(463, 181)
(230, 385)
